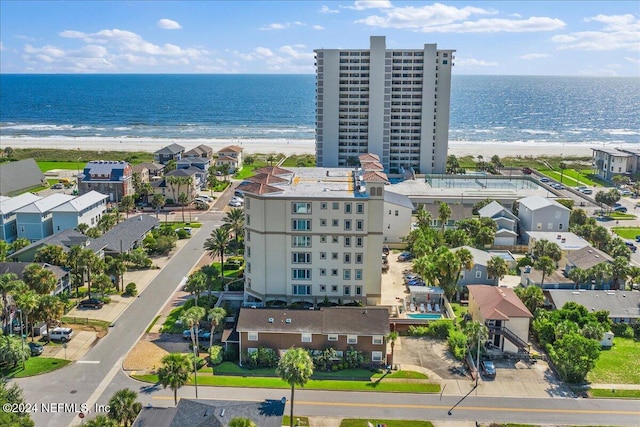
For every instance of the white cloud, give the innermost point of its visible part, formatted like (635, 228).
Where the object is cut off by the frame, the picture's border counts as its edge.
(288, 58)
(263, 51)
(535, 56)
(633, 60)
(278, 26)
(2, 48)
(470, 62)
(318, 27)
(168, 24)
(370, 4)
(619, 32)
(440, 18)
(327, 9)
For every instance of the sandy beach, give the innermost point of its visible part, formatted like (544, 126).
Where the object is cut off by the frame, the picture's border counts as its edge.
(291, 147)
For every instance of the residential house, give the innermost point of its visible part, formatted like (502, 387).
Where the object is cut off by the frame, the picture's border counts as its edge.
(478, 274)
(202, 165)
(171, 191)
(537, 213)
(458, 213)
(126, 235)
(506, 221)
(17, 268)
(85, 209)
(65, 239)
(504, 314)
(584, 259)
(610, 162)
(203, 151)
(18, 177)
(113, 178)
(148, 171)
(566, 240)
(212, 413)
(168, 153)
(232, 156)
(363, 328)
(397, 217)
(623, 306)
(35, 220)
(8, 208)
(317, 234)
(529, 276)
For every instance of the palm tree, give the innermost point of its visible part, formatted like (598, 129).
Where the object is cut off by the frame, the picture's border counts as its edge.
(101, 421)
(4, 250)
(174, 372)
(192, 317)
(444, 213)
(242, 422)
(19, 243)
(423, 218)
(216, 245)
(620, 272)
(127, 204)
(116, 267)
(546, 266)
(82, 227)
(531, 296)
(51, 254)
(40, 279)
(73, 263)
(391, 338)
(8, 283)
(158, 201)
(295, 367)
(497, 267)
(234, 220)
(27, 301)
(123, 407)
(49, 310)
(579, 276)
(183, 200)
(196, 283)
(546, 248)
(224, 168)
(476, 333)
(92, 264)
(102, 283)
(216, 315)
(466, 263)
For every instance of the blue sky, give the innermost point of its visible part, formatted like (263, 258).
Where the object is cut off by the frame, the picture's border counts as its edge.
(596, 38)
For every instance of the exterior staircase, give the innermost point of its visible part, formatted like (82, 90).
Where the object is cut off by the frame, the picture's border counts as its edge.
(522, 345)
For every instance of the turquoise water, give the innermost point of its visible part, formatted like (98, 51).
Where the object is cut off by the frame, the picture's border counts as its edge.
(432, 316)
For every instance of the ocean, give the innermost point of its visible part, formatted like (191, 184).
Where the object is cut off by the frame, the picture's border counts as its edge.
(483, 108)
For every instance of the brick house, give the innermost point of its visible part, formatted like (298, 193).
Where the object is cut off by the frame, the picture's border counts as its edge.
(113, 178)
(363, 328)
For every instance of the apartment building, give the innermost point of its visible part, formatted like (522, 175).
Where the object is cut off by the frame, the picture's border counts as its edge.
(389, 102)
(314, 233)
(609, 162)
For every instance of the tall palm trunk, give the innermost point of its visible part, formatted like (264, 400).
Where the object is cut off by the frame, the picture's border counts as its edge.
(291, 408)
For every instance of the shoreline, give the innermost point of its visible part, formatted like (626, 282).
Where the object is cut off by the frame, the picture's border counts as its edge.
(304, 146)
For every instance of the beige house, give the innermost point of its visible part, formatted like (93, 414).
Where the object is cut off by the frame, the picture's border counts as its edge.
(504, 314)
(171, 191)
(232, 156)
(313, 233)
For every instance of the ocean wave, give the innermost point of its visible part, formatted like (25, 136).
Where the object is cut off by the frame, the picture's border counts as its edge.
(621, 132)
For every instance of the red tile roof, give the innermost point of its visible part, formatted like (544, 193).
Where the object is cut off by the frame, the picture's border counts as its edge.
(257, 188)
(497, 303)
(368, 157)
(263, 178)
(234, 148)
(273, 170)
(371, 166)
(375, 176)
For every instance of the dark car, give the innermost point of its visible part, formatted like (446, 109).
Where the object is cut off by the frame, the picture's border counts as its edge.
(91, 303)
(405, 256)
(621, 209)
(488, 369)
(631, 246)
(637, 238)
(36, 349)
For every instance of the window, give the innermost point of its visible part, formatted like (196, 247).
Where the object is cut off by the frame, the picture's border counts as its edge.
(334, 255)
(396, 212)
(332, 337)
(352, 339)
(558, 214)
(376, 356)
(549, 226)
(347, 258)
(347, 208)
(301, 241)
(323, 239)
(323, 205)
(334, 222)
(347, 241)
(252, 350)
(252, 336)
(358, 274)
(248, 267)
(359, 291)
(248, 219)
(346, 274)
(248, 251)
(334, 239)
(301, 224)
(323, 223)
(323, 288)
(323, 271)
(359, 241)
(334, 288)
(306, 337)
(323, 255)
(376, 339)
(360, 208)
(359, 225)
(335, 206)
(346, 290)
(301, 208)
(301, 258)
(358, 258)
(560, 226)
(334, 271)
(478, 274)
(347, 224)
(301, 273)
(301, 289)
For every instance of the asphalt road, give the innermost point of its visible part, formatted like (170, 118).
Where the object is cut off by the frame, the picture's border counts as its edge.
(86, 380)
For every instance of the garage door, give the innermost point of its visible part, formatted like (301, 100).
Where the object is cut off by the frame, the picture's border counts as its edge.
(504, 241)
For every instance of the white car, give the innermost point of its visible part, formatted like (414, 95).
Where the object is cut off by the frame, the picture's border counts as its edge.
(61, 334)
(205, 198)
(235, 203)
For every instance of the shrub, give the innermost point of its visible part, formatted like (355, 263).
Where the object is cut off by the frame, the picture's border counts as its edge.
(200, 362)
(106, 300)
(457, 344)
(216, 354)
(183, 234)
(263, 358)
(131, 289)
(622, 330)
(418, 331)
(231, 354)
(353, 358)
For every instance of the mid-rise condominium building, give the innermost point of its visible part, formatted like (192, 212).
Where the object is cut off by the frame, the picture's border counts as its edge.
(313, 234)
(390, 102)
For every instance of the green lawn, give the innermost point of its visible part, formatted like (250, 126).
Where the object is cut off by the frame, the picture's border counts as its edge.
(36, 366)
(304, 160)
(277, 383)
(411, 375)
(362, 422)
(298, 421)
(47, 166)
(627, 232)
(230, 368)
(616, 394)
(619, 365)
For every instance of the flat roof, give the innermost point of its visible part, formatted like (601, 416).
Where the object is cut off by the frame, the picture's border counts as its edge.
(567, 241)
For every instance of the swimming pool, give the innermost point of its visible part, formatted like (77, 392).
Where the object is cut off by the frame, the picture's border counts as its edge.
(432, 316)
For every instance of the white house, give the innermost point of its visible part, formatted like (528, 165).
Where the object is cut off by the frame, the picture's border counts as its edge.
(537, 213)
(507, 222)
(232, 156)
(397, 217)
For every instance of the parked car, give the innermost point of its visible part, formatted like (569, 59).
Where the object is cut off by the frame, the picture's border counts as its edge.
(201, 200)
(557, 186)
(586, 191)
(527, 171)
(410, 277)
(202, 334)
(91, 303)
(637, 238)
(620, 209)
(35, 348)
(58, 186)
(205, 197)
(60, 334)
(544, 179)
(235, 203)
(631, 246)
(626, 192)
(488, 369)
(405, 256)
(385, 250)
